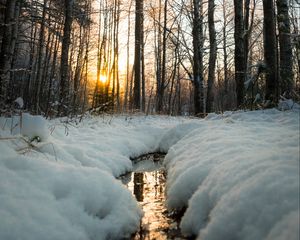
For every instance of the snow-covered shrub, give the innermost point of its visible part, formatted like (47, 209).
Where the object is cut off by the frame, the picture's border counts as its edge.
(288, 104)
(34, 127)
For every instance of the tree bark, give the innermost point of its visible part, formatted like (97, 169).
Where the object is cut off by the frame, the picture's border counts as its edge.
(212, 56)
(225, 61)
(143, 103)
(64, 63)
(239, 52)
(40, 60)
(138, 53)
(286, 53)
(270, 48)
(197, 58)
(125, 106)
(8, 46)
(164, 58)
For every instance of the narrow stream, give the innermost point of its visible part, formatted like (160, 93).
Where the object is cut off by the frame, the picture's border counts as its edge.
(147, 183)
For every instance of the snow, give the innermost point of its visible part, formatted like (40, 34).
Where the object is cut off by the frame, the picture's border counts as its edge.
(63, 186)
(42, 200)
(20, 102)
(33, 127)
(288, 104)
(236, 174)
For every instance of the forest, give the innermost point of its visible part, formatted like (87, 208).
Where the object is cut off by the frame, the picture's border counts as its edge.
(66, 58)
(149, 119)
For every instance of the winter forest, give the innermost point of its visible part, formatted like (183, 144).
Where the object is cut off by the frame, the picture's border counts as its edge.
(149, 119)
(64, 58)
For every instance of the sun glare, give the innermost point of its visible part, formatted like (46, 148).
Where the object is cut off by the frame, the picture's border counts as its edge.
(103, 78)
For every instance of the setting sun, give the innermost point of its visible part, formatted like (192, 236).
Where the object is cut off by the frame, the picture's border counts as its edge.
(103, 78)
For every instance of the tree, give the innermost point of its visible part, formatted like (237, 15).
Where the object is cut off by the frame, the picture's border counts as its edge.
(162, 81)
(286, 53)
(239, 52)
(138, 53)
(212, 56)
(64, 64)
(10, 31)
(125, 106)
(197, 57)
(270, 48)
(38, 79)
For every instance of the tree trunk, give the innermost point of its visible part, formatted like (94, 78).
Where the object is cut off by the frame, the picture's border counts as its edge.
(286, 54)
(239, 52)
(7, 47)
(212, 56)
(225, 61)
(143, 103)
(197, 58)
(78, 69)
(270, 51)
(117, 55)
(158, 55)
(163, 67)
(64, 63)
(125, 107)
(247, 33)
(138, 53)
(40, 53)
(52, 73)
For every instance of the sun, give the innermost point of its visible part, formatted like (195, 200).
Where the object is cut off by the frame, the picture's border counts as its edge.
(103, 78)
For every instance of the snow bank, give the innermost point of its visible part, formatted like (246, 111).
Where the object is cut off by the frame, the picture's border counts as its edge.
(109, 143)
(172, 136)
(45, 200)
(238, 176)
(33, 127)
(64, 187)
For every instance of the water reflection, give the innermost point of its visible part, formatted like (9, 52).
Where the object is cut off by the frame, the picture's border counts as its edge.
(138, 186)
(147, 183)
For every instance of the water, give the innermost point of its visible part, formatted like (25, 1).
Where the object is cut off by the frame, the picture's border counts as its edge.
(147, 183)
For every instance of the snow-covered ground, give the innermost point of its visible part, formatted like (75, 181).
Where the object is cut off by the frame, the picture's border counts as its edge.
(65, 187)
(237, 174)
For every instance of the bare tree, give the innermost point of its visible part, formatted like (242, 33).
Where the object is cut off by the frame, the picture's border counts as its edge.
(212, 56)
(138, 51)
(10, 30)
(239, 52)
(286, 53)
(270, 49)
(162, 81)
(64, 64)
(197, 57)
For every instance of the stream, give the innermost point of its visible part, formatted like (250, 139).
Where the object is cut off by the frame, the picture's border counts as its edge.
(147, 184)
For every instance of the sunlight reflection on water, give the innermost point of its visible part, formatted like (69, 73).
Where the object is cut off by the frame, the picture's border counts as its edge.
(147, 183)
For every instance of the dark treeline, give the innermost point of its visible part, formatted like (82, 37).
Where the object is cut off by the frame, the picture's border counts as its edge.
(38, 61)
(63, 58)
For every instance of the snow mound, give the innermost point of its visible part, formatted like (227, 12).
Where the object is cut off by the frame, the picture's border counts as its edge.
(33, 127)
(65, 188)
(108, 144)
(45, 200)
(286, 228)
(288, 104)
(238, 176)
(172, 136)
